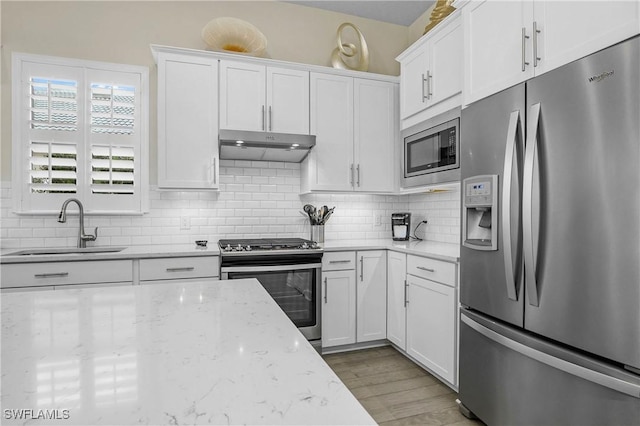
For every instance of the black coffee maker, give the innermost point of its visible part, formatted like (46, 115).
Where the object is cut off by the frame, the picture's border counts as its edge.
(400, 225)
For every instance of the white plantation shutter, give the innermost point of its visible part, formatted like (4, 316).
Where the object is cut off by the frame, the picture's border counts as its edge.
(53, 168)
(112, 170)
(114, 138)
(80, 129)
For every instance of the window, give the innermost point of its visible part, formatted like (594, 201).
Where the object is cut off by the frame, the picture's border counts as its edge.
(80, 129)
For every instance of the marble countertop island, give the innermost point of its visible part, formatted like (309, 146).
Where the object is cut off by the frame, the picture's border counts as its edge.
(205, 352)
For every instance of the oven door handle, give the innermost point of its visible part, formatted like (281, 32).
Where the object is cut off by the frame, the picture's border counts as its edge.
(270, 268)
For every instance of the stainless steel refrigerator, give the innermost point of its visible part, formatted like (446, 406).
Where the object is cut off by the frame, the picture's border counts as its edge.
(550, 256)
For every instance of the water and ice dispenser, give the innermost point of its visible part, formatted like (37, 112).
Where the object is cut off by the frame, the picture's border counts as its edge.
(480, 212)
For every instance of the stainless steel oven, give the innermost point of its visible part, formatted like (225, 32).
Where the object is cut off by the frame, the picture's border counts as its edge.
(289, 270)
(432, 151)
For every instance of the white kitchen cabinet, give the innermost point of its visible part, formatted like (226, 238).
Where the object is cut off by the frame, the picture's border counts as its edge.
(506, 43)
(431, 72)
(329, 165)
(263, 98)
(355, 123)
(47, 274)
(431, 326)
(371, 293)
(338, 308)
(396, 298)
(187, 122)
(375, 134)
(572, 30)
(172, 268)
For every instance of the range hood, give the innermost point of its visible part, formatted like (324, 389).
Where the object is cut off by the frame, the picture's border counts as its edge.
(264, 146)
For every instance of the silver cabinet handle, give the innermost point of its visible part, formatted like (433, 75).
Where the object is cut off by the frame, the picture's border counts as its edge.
(524, 38)
(527, 204)
(426, 269)
(183, 269)
(339, 261)
(52, 275)
(429, 88)
(423, 95)
(406, 293)
(536, 31)
(270, 119)
(351, 177)
(263, 118)
(358, 170)
(361, 268)
(510, 151)
(325, 290)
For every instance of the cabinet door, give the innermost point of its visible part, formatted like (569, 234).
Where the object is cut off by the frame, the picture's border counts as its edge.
(495, 50)
(572, 30)
(338, 308)
(396, 298)
(287, 101)
(242, 96)
(431, 315)
(445, 62)
(413, 73)
(375, 135)
(187, 122)
(330, 164)
(372, 295)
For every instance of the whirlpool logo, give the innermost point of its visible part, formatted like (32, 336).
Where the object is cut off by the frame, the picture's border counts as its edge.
(600, 77)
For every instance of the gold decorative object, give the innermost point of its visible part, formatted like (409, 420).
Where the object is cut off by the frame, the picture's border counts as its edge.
(442, 9)
(234, 35)
(349, 50)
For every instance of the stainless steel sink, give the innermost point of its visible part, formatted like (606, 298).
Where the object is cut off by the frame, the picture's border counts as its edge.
(65, 250)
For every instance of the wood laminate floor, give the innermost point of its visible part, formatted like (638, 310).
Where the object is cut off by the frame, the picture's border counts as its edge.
(394, 390)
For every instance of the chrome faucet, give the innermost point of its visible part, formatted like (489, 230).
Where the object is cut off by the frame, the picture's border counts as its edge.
(82, 237)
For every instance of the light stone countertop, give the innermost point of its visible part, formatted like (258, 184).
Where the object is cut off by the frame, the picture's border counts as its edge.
(206, 352)
(437, 250)
(433, 249)
(131, 252)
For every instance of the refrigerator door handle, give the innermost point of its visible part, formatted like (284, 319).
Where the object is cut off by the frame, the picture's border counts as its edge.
(527, 205)
(512, 134)
(610, 382)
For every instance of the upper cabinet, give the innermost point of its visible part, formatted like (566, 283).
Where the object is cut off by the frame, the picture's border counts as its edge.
(187, 121)
(506, 43)
(356, 126)
(263, 98)
(431, 72)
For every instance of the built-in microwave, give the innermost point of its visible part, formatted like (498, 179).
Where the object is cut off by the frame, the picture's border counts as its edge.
(432, 151)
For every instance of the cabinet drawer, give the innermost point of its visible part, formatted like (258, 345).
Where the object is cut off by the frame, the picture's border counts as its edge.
(62, 273)
(431, 269)
(179, 267)
(339, 261)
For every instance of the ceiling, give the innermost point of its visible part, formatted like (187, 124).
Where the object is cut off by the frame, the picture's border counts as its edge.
(395, 12)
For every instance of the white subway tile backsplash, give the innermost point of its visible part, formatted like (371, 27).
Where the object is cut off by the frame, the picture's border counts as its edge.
(257, 199)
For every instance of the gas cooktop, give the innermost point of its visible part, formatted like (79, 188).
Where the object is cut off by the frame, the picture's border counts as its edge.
(261, 245)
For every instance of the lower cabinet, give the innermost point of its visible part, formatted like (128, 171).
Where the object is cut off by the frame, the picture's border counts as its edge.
(397, 299)
(179, 268)
(431, 330)
(354, 297)
(422, 311)
(44, 275)
(338, 308)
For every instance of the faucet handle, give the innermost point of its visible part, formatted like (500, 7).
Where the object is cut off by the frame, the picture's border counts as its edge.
(90, 237)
